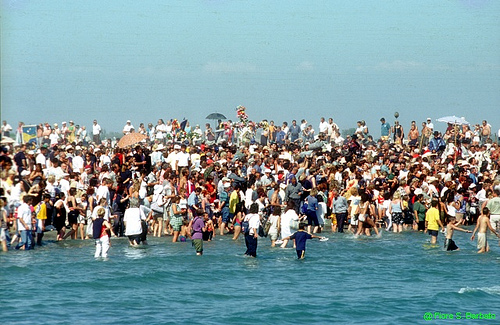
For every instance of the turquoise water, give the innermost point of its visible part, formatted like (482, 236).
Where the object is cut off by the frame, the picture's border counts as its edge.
(394, 279)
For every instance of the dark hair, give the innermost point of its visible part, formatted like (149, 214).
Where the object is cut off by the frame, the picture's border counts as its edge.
(254, 208)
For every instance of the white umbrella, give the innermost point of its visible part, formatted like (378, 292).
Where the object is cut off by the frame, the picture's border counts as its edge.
(453, 120)
(7, 140)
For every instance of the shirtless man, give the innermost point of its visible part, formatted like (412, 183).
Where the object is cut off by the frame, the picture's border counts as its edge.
(485, 132)
(413, 135)
(483, 224)
(449, 244)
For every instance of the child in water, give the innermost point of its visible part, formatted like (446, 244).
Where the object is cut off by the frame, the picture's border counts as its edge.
(449, 244)
(483, 224)
(300, 240)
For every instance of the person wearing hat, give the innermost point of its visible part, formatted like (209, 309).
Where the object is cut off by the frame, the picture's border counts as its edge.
(436, 144)
(157, 155)
(224, 206)
(64, 130)
(430, 125)
(128, 126)
(71, 131)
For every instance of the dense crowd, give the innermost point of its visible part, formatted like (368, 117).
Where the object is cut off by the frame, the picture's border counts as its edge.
(188, 183)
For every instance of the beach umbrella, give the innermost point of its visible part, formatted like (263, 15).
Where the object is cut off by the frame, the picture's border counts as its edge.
(216, 116)
(131, 139)
(7, 140)
(452, 119)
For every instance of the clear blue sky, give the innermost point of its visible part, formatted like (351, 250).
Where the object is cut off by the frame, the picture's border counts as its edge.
(350, 60)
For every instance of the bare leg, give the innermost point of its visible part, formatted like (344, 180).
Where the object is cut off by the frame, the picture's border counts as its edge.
(237, 231)
(176, 236)
(285, 242)
(222, 227)
(81, 227)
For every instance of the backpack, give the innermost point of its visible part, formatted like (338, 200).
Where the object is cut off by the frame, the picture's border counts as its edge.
(97, 227)
(245, 226)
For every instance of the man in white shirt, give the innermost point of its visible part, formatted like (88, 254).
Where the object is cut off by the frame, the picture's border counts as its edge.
(172, 156)
(103, 191)
(6, 129)
(430, 125)
(323, 126)
(25, 224)
(40, 158)
(128, 127)
(77, 161)
(96, 133)
(183, 159)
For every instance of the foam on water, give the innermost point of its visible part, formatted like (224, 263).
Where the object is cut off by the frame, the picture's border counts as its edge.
(494, 290)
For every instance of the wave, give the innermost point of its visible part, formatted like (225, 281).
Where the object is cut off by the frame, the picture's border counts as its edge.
(494, 290)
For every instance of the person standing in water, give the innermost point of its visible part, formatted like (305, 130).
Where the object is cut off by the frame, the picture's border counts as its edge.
(483, 224)
(449, 244)
(101, 228)
(197, 227)
(432, 221)
(301, 238)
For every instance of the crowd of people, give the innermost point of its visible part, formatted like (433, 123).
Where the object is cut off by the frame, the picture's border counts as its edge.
(232, 182)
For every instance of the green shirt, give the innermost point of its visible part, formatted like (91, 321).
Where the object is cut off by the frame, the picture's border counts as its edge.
(420, 208)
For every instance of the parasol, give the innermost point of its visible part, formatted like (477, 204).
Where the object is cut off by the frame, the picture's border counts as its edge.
(7, 140)
(216, 116)
(453, 120)
(131, 139)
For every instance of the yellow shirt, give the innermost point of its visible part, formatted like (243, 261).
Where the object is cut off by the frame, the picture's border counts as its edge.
(432, 216)
(233, 200)
(41, 211)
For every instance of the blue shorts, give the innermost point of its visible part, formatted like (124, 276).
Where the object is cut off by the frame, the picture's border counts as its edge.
(433, 232)
(226, 216)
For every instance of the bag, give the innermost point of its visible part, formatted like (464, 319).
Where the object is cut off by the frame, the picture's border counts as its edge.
(261, 231)
(156, 208)
(245, 227)
(267, 227)
(294, 224)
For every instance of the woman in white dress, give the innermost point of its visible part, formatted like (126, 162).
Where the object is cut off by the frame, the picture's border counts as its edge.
(286, 219)
(275, 221)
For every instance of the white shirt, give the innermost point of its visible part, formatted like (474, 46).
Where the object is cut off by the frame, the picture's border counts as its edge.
(161, 129)
(77, 162)
(183, 159)
(6, 128)
(96, 129)
(127, 128)
(24, 213)
(323, 127)
(253, 222)
(102, 192)
(40, 159)
(132, 219)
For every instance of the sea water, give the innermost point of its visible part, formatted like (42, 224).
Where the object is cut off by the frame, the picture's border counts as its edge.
(394, 279)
